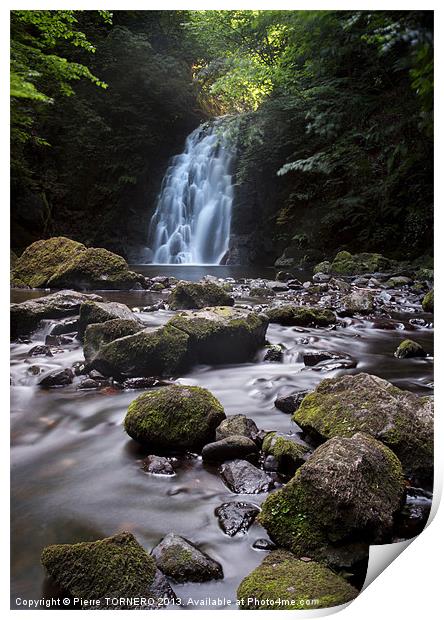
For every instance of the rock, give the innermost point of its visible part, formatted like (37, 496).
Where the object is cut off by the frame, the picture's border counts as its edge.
(112, 567)
(192, 295)
(99, 334)
(99, 312)
(314, 357)
(284, 276)
(143, 383)
(151, 352)
(243, 477)
(94, 268)
(323, 267)
(261, 291)
(274, 353)
(334, 497)
(320, 277)
(41, 259)
(414, 515)
(427, 302)
(400, 419)
(79, 368)
(176, 417)
(297, 584)
(358, 302)
(289, 403)
(398, 282)
(180, 560)
(286, 449)
(89, 384)
(26, 316)
(263, 544)
(409, 348)
(40, 349)
(59, 341)
(237, 425)
(336, 284)
(301, 315)
(57, 378)
(347, 264)
(159, 465)
(271, 463)
(65, 326)
(236, 517)
(221, 335)
(235, 446)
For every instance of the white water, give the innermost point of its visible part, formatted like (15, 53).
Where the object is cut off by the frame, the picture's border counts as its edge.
(191, 223)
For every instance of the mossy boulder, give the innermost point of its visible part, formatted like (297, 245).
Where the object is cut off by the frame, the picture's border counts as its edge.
(427, 302)
(301, 315)
(100, 312)
(112, 567)
(409, 348)
(151, 352)
(400, 419)
(357, 302)
(347, 264)
(175, 417)
(26, 316)
(323, 267)
(349, 489)
(237, 425)
(288, 452)
(296, 583)
(95, 268)
(193, 295)
(99, 334)
(180, 560)
(41, 259)
(221, 334)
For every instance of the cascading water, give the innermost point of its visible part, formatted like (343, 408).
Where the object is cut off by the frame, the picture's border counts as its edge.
(191, 223)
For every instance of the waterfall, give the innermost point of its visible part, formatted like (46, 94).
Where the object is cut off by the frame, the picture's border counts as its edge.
(191, 223)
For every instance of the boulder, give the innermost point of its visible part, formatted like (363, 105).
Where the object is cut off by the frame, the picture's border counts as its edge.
(221, 335)
(159, 465)
(311, 358)
(41, 259)
(427, 302)
(400, 419)
(180, 560)
(347, 264)
(236, 517)
(99, 334)
(274, 353)
(322, 267)
(301, 315)
(192, 295)
(26, 316)
(243, 477)
(175, 417)
(99, 312)
(39, 350)
(237, 425)
(286, 449)
(350, 488)
(57, 378)
(65, 326)
(409, 348)
(112, 567)
(290, 402)
(143, 383)
(296, 583)
(357, 302)
(263, 544)
(398, 282)
(233, 447)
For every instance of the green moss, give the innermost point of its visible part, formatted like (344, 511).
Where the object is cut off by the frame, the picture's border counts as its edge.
(285, 450)
(409, 348)
(323, 267)
(116, 566)
(41, 259)
(99, 334)
(301, 315)
(191, 295)
(175, 416)
(428, 301)
(261, 291)
(298, 584)
(345, 263)
(92, 312)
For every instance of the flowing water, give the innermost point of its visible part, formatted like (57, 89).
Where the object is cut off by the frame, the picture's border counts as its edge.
(191, 223)
(76, 475)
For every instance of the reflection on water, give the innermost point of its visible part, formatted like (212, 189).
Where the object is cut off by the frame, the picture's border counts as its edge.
(76, 475)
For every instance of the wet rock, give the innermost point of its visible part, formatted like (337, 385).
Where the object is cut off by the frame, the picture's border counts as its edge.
(333, 497)
(65, 326)
(79, 368)
(143, 383)
(274, 353)
(398, 282)
(301, 315)
(323, 267)
(192, 295)
(428, 302)
(320, 277)
(175, 417)
(284, 276)
(243, 477)
(277, 287)
(345, 263)
(314, 357)
(400, 419)
(180, 560)
(336, 284)
(297, 584)
(40, 349)
(99, 334)
(263, 544)
(57, 378)
(261, 291)
(236, 517)
(235, 446)
(358, 302)
(33, 370)
(101, 312)
(89, 384)
(26, 316)
(414, 515)
(290, 402)
(82, 570)
(237, 425)
(59, 341)
(409, 348)
(159, 465)
(288, 452)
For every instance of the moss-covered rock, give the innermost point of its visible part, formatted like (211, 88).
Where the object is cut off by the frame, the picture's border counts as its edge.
(357, 302)
(222, 335)
(94, 268)
(41, 259)
(151, 352)
(323, 267)
(288, 452)
(301, 315)
(409, 348)
(176, 417)
(348, 488)
(347, 264)
(427, 302)
(237, 425)
(400, 419)
(99, 334)
(193, 295)
(112, 567)
(296, 583)
(100, 312)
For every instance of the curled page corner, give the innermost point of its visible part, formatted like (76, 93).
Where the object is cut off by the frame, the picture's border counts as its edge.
(381, 556)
